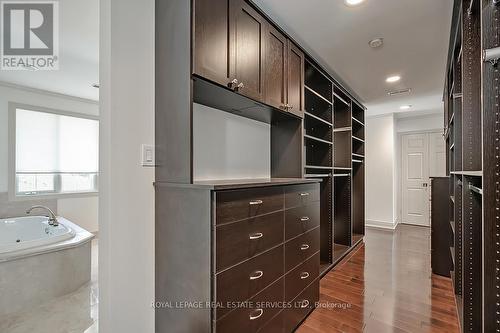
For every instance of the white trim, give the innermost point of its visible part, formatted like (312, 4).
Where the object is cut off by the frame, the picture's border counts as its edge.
(47, 92)
(381, 224)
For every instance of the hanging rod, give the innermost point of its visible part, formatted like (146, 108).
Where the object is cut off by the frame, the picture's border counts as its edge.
(492, 55)
(475, 189)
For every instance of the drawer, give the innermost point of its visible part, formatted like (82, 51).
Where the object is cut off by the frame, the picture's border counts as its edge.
(275, 325)
(252, 318)
(242, 204)
(241, 240)
(243, 281)
(300, 277)
(299, 249)
(299, 195)
(301, 219)
(301, 306)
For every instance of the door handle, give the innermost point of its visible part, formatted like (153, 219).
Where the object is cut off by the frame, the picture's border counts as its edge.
(425, 185)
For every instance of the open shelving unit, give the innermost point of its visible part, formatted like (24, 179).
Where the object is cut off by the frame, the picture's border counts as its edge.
(472, 136)
(334, 151)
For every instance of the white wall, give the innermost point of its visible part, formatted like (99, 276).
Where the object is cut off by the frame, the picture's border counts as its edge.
(227, 146)
(380, 166)
(126, 206)
(420, 123)
(82, 211)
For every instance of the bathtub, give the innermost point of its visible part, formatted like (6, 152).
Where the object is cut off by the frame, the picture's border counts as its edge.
(40, 262)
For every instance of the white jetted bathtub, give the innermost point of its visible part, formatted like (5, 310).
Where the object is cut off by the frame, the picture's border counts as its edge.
(39, 262)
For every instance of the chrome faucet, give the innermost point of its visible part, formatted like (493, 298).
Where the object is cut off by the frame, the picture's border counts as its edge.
(50, 214)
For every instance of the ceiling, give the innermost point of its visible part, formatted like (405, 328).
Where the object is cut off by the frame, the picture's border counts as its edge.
(416, 35)
(78, 54)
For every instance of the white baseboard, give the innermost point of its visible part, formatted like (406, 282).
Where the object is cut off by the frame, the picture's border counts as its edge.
(380, 224)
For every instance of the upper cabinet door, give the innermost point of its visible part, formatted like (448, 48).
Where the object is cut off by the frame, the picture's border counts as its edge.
(211, 34)
(246, 38)
(295, 80)
(276, 68)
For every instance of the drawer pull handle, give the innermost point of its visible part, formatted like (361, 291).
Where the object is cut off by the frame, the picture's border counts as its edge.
(257, 316)
(256, 202)
(304, 219)
(304, 304)
(256, 275)
(304, 275)
(257, 235)
(304, 194)
(304, 247)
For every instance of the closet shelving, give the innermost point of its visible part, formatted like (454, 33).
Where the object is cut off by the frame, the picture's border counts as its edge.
(333, 128)
(472, 137)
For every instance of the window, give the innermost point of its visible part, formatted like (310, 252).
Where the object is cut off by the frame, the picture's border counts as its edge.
(55, 153)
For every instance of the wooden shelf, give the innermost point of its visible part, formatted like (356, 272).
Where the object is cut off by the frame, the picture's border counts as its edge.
(317, 139)
(452, 197)
(358, 139)
(358, 155)
(342, 129)
(318, 95)
(342, 168)
(341, 99)
(468, 173)
(357, 121)
(357, 161)
(452, 224)
(452, 251)
(318, 167)
(317, 175)
(318, 119)
(341, 175)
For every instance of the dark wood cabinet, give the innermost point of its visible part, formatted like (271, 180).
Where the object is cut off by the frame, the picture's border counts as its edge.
(295, 80)
(211, 37)
(441, 226)
(276, 82)
(246, 40)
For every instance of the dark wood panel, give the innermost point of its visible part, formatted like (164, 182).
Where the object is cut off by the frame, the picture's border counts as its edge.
(295, 80)
(491, 146)
(251, 318)
(300, 277)
(342, 210)
(238, 241)
(211, 40)
(276, 68)
(246, 38)
(300, 195)
(301, 219)
(441, 237)
(299, 249)
(275, 325)
(242, 282)
(242, 204)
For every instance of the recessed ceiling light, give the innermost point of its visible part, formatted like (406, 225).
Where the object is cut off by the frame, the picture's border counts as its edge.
(392, 79)
(376, 43)
(405, 107)
(353, 2)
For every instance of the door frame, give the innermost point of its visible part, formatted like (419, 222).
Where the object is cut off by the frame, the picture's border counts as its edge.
(399, 169)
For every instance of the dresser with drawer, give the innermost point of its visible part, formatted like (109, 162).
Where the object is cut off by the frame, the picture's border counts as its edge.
(250, 256)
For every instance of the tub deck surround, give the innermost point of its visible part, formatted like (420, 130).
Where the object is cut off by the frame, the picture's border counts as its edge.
(231, 242)
(49, 268)
(36, 241)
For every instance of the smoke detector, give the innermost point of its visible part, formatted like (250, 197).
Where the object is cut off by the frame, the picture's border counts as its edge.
(376, 43)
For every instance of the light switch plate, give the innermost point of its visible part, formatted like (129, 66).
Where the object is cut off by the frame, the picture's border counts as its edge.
(148, 155)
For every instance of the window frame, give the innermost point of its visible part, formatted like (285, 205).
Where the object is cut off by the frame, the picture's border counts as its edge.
(11, 142)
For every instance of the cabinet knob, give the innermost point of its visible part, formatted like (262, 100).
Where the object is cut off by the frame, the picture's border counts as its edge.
(233, 83)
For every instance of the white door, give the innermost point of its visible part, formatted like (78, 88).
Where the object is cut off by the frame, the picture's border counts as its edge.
(416, 179)
(437, 155)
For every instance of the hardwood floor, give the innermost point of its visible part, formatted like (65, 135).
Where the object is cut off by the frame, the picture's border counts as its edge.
(386, 285)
